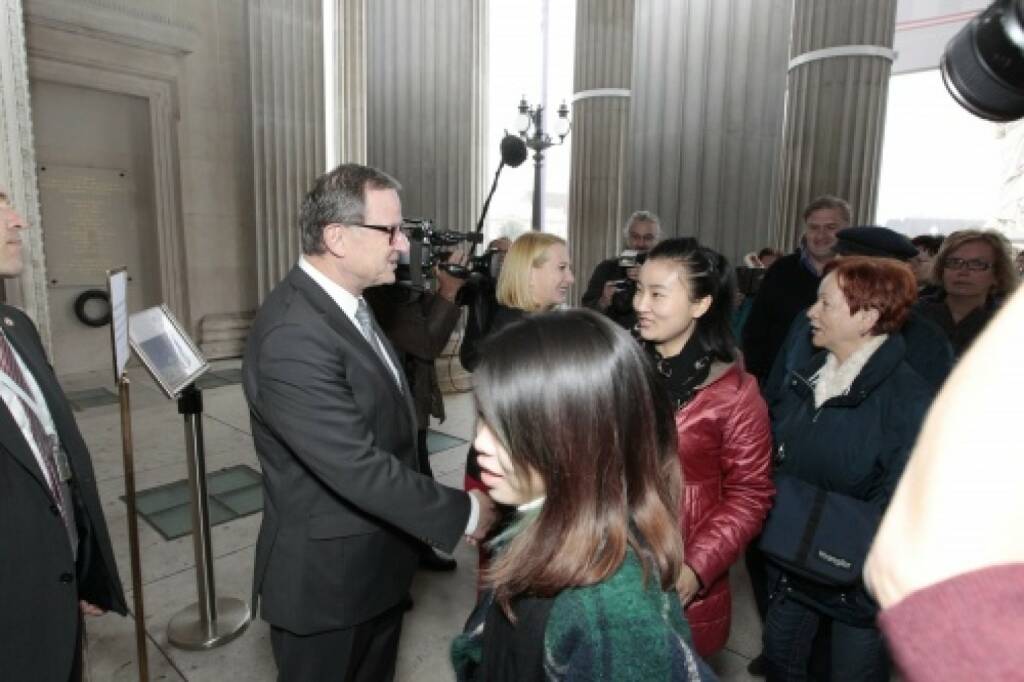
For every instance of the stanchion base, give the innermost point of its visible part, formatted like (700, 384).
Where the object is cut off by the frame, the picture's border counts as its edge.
(186, 630)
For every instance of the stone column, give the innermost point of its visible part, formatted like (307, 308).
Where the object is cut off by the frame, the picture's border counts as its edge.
(706, 117)
(841, 59)
(427, 110)
(349, 86)
(18, 167)
(600, 131)
(286, 61)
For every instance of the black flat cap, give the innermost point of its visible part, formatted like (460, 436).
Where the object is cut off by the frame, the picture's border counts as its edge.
(870, 240)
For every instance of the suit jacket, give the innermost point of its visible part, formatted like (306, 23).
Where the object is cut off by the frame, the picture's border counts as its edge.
(40, 582)
(344, 504)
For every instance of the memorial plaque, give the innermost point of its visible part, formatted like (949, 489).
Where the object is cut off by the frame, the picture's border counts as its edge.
(83, 214)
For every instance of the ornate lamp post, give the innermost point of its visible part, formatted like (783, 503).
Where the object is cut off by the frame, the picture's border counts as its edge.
(530, 124)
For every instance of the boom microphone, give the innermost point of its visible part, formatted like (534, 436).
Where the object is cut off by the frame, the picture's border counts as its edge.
(513, 150)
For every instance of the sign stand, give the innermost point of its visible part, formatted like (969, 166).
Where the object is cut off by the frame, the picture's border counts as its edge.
(209, 622)
(117, 288)
(174, 362)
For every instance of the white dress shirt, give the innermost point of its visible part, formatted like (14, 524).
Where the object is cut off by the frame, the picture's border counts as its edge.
(17, 410)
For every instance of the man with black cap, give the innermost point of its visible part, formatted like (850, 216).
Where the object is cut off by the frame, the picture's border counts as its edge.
(928, 351)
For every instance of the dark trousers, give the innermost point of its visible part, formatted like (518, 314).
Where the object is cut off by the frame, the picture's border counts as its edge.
(362, 653)
(856, 654)
(77, 667)
(422, 453)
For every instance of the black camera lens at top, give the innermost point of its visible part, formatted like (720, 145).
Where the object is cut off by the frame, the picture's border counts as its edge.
(983, 65)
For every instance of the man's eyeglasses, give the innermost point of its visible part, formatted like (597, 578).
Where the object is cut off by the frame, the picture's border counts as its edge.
(974, 264)
(391, 230)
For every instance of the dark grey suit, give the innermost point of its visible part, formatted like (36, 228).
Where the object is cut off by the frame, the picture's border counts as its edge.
(336, 438)
(40, 582)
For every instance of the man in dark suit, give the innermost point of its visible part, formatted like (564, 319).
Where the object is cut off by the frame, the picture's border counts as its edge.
(56, 562)
(345, 506)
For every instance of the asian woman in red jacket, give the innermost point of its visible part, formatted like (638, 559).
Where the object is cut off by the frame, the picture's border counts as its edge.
(683, 303)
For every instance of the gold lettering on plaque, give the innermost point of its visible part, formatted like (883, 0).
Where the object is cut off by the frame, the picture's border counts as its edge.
(88, 217)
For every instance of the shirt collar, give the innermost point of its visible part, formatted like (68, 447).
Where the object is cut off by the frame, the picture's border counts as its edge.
(532, 504)
(339, 294)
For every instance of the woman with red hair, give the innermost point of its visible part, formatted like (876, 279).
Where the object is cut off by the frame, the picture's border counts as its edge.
(844, 427)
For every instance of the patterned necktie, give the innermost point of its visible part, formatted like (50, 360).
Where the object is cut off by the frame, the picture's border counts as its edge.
(44, 442)
(363, 317)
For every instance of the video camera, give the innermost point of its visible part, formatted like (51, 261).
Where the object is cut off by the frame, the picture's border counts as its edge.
(430, 247)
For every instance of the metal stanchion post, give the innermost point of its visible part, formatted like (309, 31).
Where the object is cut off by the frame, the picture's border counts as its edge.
(209, 622)
(133, 528)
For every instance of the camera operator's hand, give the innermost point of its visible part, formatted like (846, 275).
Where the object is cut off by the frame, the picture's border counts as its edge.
(610, 287)
(448, 285)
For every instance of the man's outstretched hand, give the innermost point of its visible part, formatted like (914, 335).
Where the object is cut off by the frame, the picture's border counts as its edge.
(488, 517)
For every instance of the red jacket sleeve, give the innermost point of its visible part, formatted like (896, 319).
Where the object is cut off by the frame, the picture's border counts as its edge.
(967, 627)
(747, 487)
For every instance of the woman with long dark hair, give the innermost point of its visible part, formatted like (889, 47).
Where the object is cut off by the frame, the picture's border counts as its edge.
(573, 433)
(684, 307)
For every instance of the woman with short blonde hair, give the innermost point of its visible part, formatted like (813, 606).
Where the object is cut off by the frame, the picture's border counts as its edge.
(522, 285)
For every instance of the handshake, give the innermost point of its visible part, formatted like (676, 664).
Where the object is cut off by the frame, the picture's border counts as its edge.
(488, 516)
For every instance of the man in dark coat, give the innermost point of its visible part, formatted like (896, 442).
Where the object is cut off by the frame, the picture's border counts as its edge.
(791, 284)
(334, 427)
(610, 292)
(56, 562)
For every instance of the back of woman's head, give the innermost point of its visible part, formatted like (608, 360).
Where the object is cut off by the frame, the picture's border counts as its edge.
(528, 251)
(706, 273)
(571, 397)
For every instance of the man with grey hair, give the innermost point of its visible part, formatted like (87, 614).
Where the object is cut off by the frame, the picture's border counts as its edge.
(333, 423)
(56, 561)
(612, 286)
(791, 284)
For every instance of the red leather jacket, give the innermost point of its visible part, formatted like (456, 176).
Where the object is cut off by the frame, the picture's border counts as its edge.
(725, 449)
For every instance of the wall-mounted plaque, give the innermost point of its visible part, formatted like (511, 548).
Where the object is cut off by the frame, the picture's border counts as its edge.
(167, 352)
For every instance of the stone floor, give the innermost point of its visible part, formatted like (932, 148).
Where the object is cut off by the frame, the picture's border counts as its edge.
(442, 601)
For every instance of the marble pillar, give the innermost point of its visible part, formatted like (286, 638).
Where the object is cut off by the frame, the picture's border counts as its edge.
(18, 167)
(600, 131)
(286, 56)
(706, 117)
(840, 62)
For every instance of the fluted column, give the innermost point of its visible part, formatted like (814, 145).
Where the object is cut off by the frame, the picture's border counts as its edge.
(286, 58)
(18, 167)
(841, 59)
(426, 111)
(706, 117)
(600, 127)
(349, 86)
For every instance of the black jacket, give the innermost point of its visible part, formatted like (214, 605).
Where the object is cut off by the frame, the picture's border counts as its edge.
(928, 353)
(40, 583)
(961, 334)
(855, 444)
(345, 508)
(621, 308)
(787, 289)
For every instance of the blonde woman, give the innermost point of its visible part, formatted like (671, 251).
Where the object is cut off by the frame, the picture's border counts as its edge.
(535, 277)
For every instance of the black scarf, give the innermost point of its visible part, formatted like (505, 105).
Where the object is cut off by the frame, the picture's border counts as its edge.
(683, 373)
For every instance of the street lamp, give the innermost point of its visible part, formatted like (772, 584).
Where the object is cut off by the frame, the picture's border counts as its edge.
(537, 140)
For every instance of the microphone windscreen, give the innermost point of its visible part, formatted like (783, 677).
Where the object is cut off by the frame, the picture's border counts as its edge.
(513, 150)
